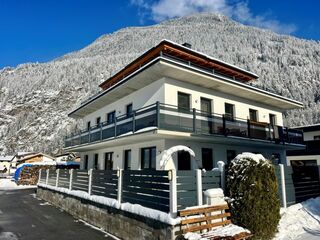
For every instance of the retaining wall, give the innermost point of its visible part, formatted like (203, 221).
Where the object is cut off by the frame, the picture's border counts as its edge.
(122, 224)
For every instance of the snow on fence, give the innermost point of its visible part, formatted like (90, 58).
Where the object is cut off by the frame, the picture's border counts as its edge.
(166, 191)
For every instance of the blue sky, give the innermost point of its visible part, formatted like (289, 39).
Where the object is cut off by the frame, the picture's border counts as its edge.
(41, 30)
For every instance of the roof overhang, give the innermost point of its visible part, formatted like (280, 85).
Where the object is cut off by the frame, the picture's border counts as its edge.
(162, 67)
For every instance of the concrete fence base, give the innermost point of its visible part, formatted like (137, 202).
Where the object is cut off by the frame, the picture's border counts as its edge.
(122, 224)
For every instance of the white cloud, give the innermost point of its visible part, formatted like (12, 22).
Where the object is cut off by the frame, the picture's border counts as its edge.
(239, 10)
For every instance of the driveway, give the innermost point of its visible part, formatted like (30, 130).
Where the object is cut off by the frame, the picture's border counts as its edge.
(23, 216)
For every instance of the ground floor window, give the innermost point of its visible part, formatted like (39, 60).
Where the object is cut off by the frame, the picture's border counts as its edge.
(86, 159)
(184, 160)
(108, 161)
(127, 159)
(207, 160)
(96, 161)
(148, 158)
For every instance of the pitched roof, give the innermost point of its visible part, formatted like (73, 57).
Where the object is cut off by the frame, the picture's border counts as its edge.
(6, 158)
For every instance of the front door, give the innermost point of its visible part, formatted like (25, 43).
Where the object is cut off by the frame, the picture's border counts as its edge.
(207, 160)
(184, 160)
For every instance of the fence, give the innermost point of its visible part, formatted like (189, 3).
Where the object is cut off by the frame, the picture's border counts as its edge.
(167, 191)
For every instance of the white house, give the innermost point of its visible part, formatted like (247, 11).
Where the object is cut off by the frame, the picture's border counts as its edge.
(173, 95)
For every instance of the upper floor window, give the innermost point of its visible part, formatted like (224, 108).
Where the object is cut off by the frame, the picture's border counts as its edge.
(98, 121)
(148, 158)
(129, 110)
(183, 101)
(253, 115)
(111, 117)
(272, 119)
(229, 111)
(205, 106)
(88, 125)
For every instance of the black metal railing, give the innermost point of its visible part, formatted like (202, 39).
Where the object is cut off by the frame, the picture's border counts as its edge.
(170, 117)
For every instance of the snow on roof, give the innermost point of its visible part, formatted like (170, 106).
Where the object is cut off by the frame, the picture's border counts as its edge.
(6, 158)
(35, 155)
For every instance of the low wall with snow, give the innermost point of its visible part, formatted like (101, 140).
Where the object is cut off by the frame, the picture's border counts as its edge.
(121, 223)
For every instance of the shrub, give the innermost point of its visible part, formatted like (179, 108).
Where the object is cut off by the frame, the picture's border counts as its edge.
(253, 188)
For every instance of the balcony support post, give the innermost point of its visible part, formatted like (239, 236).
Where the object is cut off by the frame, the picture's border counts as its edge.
(115, 126)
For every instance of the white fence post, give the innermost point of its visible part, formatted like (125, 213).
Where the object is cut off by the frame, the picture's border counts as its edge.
(71, 178)
(221, 166)
(47, 177)
(39, 175)
(119, 174)
(90, 181)
(173, 192)
(57, 177)
(283, 186)
(199, 187)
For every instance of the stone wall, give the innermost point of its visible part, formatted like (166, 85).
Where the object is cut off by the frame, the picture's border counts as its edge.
(122, 224)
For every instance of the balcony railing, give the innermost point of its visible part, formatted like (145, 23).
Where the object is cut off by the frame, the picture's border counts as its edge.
(169, 117)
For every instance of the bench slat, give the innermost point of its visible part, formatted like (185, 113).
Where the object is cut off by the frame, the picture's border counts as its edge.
(206, 226)
(195, 211)
(203, 219)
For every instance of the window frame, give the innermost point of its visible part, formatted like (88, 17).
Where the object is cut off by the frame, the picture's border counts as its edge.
(255, 112)
(151, 164)
(98, 121)
(230, 117)
(274, 123)
(129, 114)
(96, 161)
(189, 101)
(88, 125)
(114, 117)
(109, 159)
(86, 161)
(126, 161)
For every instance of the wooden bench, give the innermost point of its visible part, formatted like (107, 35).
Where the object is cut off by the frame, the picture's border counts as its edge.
(211, 222)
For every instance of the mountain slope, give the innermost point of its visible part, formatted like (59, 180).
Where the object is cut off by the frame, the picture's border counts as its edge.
(35, 98)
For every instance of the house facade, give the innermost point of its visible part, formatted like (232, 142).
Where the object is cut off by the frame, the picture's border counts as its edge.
(310, 156)
(173, 95)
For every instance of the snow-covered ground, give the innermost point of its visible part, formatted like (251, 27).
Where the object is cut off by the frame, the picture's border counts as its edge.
(9, 184)
(302, 219)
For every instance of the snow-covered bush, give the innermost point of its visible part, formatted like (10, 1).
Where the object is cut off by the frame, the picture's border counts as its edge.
(253, 188)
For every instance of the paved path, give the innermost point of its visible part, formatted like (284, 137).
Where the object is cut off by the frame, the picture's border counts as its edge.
(23, 216)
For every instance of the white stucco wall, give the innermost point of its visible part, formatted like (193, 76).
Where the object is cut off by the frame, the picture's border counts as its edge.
(140, 98)
(172, 87)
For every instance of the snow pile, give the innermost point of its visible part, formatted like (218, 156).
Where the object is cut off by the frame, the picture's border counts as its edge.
(132, 208)
(8, 184)
(299, 219)
(247, 155)
(229, 230)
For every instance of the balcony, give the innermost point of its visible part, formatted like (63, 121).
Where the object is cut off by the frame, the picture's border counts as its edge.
(169, 117)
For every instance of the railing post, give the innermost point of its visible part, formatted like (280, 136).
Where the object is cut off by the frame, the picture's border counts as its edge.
(71, 179)
(224, 124)
(133, 121)
(173, 192)
(90, 172)
(158, 113)
(115, 126)
(100, 131)
(194, 119)
(39, 177)
(57, 177)
(120, 175)
(199, 187)
(283, 186)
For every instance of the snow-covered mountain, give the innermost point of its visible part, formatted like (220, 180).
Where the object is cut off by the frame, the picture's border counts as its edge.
(36, 97)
